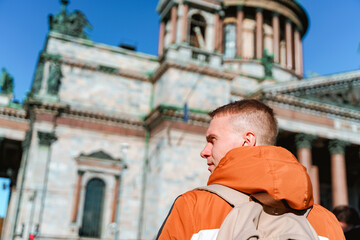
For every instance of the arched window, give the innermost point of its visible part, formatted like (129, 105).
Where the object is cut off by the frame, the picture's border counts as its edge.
(230, 40)
(197, 31)
(93, 209)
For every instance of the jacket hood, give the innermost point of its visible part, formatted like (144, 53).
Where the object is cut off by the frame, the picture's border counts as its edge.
(268, 169)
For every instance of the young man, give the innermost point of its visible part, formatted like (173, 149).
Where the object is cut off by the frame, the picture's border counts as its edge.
(349, 221)
(240, 154)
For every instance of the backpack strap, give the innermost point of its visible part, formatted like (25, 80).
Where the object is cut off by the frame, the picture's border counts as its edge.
(230, 195)
(270, 205)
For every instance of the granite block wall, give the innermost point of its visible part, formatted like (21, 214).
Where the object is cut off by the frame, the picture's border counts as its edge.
(62, 179)
(175, 167)
(200, 91)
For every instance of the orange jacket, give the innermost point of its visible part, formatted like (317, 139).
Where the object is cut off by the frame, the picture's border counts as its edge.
(249, 170)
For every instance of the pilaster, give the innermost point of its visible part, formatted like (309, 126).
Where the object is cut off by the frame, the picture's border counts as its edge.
(77, 196)
(276, 35)
(185, 22)
(161, 38)
(289, 44)
(173, 23)
(259, 33)
(297, 43)
(239, 23)
(338, 172)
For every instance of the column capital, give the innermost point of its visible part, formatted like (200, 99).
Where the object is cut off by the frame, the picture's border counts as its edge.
(297, 29)
(276, 14)
(46, 138)
(288, 20)
(240, 7)
(221, 13)
(80, 172)
(337, 146)
(259, 9)
(303, 140)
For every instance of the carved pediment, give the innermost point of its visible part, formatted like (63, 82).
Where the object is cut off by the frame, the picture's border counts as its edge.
(343, 95)
(99, 155)
(337, 94)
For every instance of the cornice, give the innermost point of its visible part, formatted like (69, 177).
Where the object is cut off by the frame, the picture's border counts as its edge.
(123, 119)
(89, 43)
(65, 110)
(95, 67)
(315, 83)
(13, 112)
(192, 68)
(174, 113)
(312, 105)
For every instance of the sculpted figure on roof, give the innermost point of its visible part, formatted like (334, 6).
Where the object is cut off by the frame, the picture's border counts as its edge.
(72, 24)
(7, 82)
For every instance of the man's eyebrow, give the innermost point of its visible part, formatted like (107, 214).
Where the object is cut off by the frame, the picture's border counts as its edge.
(210, 137)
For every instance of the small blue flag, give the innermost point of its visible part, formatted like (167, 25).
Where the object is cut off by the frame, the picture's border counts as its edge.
(186, 112)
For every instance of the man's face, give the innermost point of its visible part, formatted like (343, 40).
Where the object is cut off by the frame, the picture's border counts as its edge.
(221, 138)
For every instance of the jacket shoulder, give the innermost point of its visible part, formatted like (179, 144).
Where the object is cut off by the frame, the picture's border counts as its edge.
(325, 223)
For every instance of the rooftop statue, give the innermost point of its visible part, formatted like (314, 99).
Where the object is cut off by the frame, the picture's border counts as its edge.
(7, 82)
(72, 24)
(267, 61)
(54, 80)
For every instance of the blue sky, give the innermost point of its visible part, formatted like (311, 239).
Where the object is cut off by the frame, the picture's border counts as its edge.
(330, 45)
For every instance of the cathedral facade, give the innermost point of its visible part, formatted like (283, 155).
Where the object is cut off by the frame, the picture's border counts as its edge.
(108, 137)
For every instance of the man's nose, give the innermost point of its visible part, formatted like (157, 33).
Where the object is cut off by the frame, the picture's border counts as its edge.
(206, 152)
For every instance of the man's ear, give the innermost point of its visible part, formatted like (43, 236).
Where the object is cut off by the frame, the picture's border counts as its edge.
(249, 139)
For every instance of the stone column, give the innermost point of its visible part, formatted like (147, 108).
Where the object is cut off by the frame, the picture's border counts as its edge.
(289, 42)
(216, 33)
(301, 58)
(239, 23)
(173, 23)
(77, 196)
(338, 173)
(116, 195)
(303, 144)
(161, 39)
(297, 43)
(314, 176)
(259, 33)
(220, 32)
(276, 40)
(185, 22)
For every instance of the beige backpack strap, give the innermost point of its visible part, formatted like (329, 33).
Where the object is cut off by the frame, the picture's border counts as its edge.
(232, 196)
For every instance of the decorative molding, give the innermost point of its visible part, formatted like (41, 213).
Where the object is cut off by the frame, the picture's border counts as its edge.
(99, 155)
(46, 138)
(337, 146)
(312, 105)
(13, 112)
(94, 67)
(303, 140)
(176, 114)
(192, 68)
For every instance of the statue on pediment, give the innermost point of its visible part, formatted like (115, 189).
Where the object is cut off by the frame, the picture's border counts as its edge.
(36, 86)
(72, 24)
(346, 96)
(54, 80)
(7, 82)
(267, 61)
